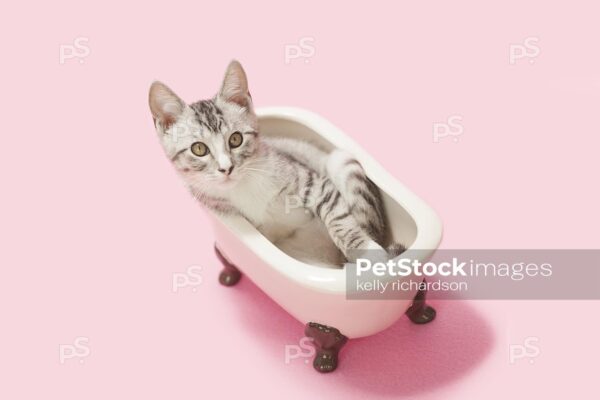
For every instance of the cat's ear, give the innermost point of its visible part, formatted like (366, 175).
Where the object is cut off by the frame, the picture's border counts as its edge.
(235, 86)
(165, 105)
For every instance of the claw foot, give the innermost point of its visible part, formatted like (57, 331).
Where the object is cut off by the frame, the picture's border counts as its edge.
(230, 274)
(328, 342)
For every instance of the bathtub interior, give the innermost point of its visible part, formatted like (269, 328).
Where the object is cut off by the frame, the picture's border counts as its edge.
(402, 228)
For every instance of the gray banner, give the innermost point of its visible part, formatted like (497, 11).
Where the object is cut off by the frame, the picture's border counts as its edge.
(477, 274)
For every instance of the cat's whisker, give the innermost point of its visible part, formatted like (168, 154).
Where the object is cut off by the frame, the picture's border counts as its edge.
(255, 169)
(244, 168)
(254, 162)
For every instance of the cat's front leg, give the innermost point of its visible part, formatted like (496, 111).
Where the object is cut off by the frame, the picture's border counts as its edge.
(323, 199)
(349, 177)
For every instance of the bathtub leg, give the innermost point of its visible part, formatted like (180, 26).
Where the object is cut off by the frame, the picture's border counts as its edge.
(230, 274)
(328, 342)
(420, 312)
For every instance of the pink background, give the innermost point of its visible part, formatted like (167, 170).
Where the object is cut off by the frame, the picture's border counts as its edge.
(95, 221)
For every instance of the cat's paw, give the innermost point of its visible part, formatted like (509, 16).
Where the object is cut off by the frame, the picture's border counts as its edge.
(372, 252)
(395, 249)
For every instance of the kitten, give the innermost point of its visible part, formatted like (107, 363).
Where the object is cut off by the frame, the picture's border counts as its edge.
(216, 147)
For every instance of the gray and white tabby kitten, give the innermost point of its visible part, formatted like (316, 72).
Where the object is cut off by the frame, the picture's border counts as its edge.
(216, 147)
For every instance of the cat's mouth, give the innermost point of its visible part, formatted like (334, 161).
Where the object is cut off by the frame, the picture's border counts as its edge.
(227, 179)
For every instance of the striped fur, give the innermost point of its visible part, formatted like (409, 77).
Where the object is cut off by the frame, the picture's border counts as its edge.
(290, 190)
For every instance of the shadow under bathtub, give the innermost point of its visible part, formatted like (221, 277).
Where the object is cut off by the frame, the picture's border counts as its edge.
(403, 360)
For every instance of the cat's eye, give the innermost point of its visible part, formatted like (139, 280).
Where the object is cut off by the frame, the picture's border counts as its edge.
(199, 149)
(235, 140)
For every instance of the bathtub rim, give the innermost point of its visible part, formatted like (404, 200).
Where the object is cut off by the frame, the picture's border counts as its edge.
(428, 223)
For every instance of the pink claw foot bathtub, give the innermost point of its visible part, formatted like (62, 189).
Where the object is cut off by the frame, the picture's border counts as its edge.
(315, 295)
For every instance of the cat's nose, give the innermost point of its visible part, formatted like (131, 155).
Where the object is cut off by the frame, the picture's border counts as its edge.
(226, 171)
